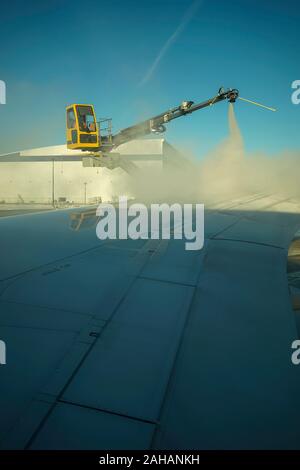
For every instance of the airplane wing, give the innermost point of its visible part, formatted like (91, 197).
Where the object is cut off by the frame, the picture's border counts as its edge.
(140, 344)
(125, 156)
(43, 154)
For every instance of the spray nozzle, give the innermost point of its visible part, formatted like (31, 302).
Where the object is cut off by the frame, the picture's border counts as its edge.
(232, 95)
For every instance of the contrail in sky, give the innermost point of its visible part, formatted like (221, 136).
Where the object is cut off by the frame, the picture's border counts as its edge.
(185, 20)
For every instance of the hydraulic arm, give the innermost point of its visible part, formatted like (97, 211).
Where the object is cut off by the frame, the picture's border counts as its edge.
(157, 123)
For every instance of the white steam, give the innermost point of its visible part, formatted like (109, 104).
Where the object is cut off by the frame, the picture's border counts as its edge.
(226, 172)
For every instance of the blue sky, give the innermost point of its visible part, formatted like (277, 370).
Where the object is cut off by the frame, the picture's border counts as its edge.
(57, 52)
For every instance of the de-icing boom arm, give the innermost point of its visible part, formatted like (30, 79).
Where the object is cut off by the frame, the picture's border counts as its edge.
(157, 123)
